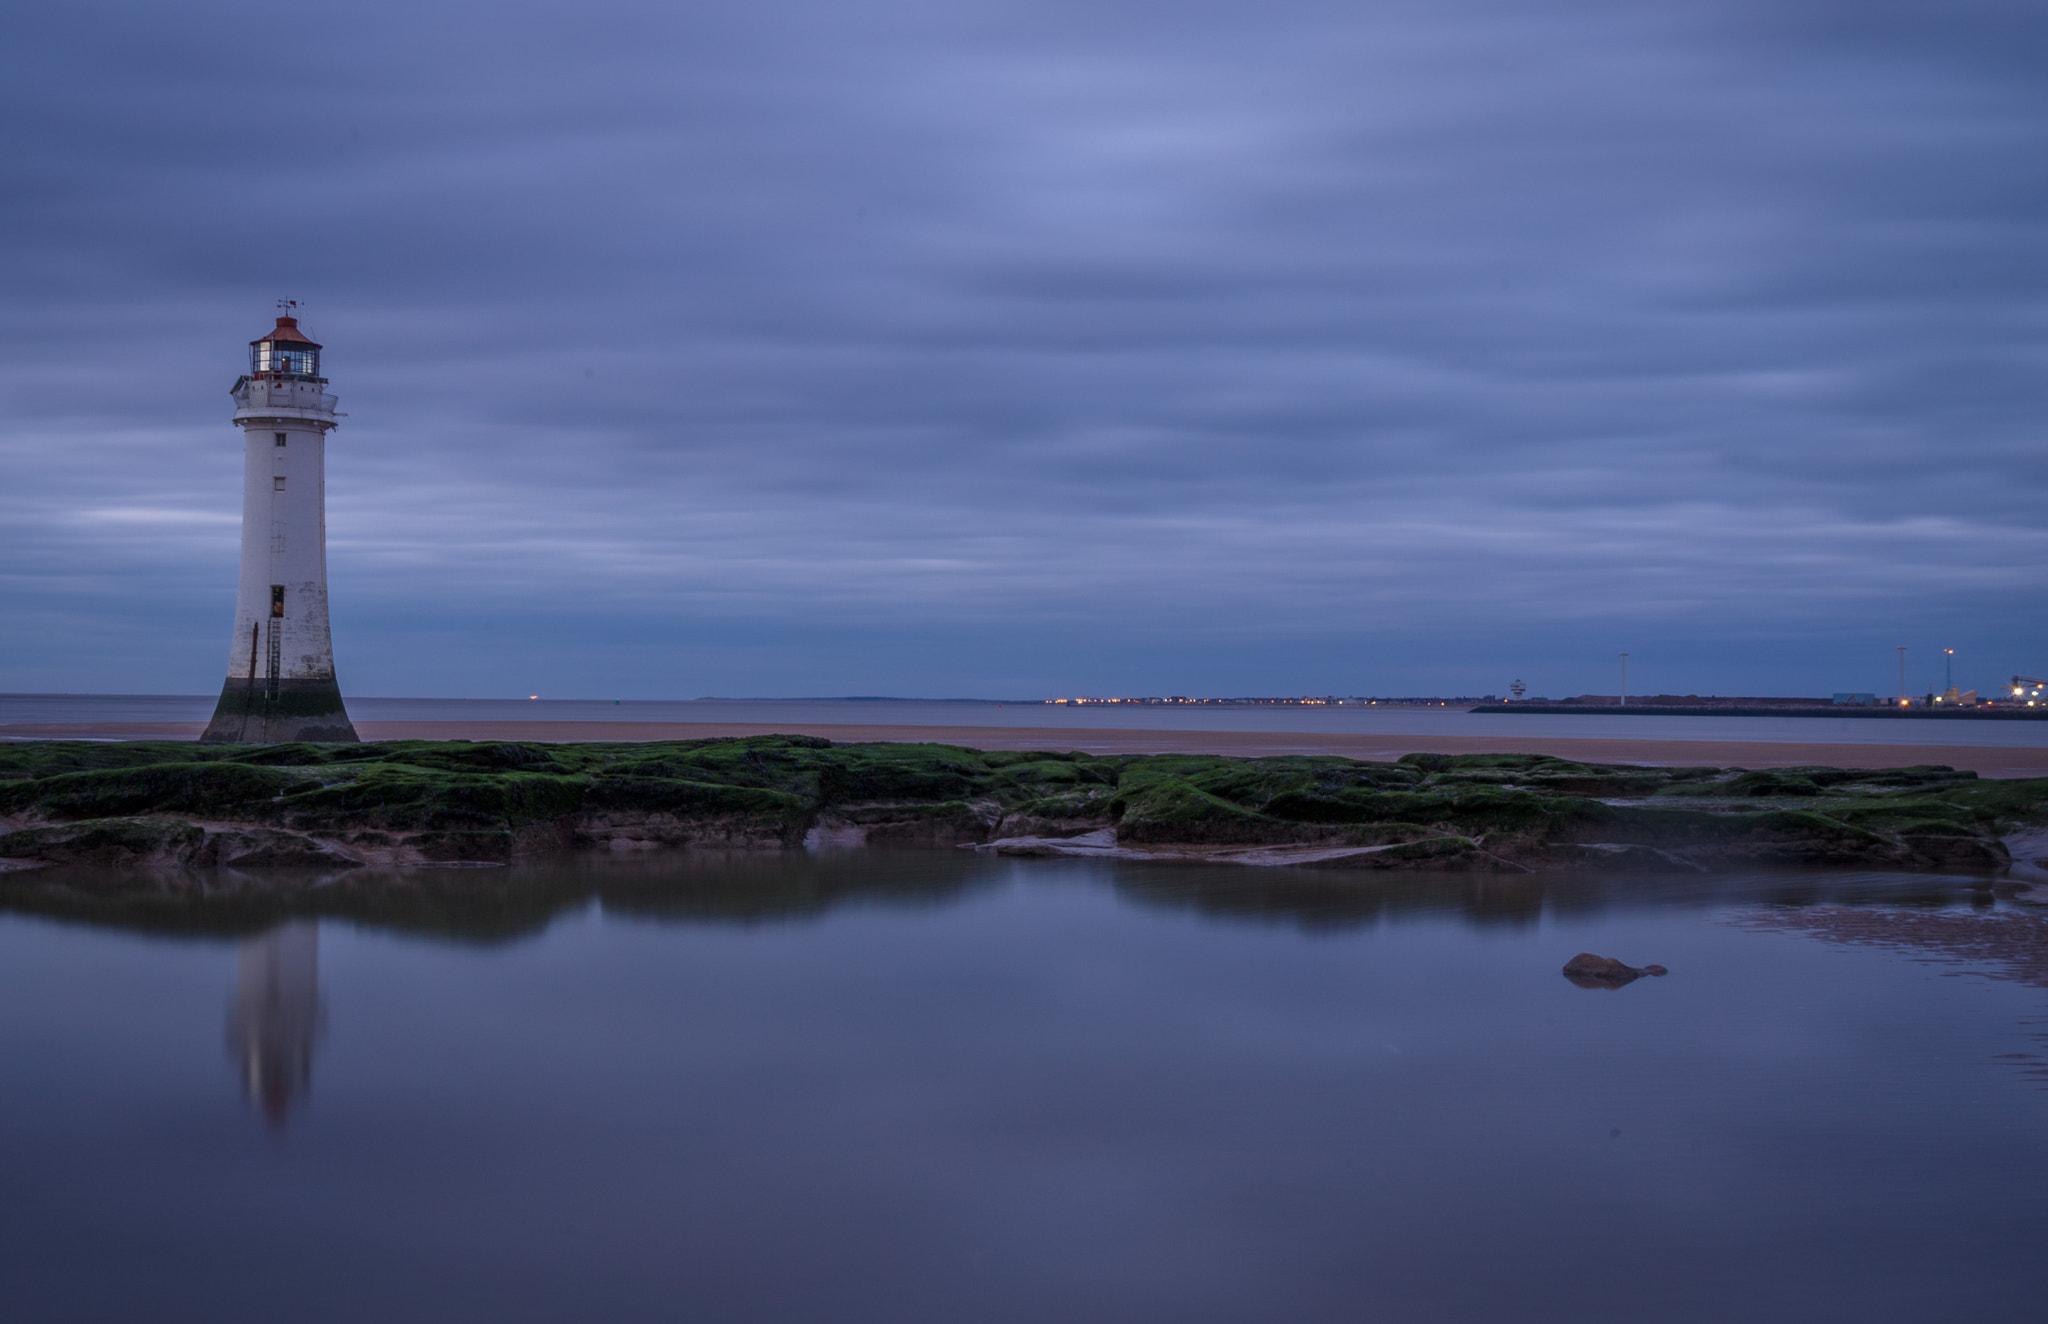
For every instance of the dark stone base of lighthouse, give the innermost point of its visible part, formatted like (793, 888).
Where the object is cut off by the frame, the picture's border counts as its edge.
(250, 714)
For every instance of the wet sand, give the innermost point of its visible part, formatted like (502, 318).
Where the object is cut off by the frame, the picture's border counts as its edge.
(1985, 761)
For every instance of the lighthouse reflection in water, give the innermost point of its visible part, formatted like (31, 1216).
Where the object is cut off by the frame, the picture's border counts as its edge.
(276, 1017)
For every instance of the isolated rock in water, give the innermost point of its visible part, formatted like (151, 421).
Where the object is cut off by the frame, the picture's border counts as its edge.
(1590, 971)
(1588, 966)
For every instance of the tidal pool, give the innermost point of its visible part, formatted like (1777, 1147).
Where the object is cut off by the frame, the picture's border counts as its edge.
(935, 1086)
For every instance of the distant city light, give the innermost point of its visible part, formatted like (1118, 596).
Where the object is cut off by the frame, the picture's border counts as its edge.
(1273, 701)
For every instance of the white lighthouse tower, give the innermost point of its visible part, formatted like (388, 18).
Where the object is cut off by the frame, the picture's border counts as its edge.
(280, 682)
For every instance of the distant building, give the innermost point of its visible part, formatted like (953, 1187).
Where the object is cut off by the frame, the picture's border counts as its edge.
(1856, 700)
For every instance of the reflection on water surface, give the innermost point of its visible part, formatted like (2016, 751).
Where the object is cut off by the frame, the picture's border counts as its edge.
(935, 1086)
(275, 1018)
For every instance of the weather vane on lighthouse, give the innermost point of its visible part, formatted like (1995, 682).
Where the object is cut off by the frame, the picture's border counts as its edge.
(280, 683)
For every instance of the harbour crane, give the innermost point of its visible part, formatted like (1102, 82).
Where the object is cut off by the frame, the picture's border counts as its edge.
(2020, 685)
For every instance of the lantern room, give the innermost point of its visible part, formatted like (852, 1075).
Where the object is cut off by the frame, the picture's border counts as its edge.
(285, 352)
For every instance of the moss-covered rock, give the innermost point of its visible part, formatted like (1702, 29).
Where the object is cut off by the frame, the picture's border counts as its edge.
(1772, 784)
(196, 789)
(1459, 853)
(388, 795)
(118, 841)
(2020, 801)
(258, 848)
(668, 795)
(947, 823)
(1172, 809)
(499, 799)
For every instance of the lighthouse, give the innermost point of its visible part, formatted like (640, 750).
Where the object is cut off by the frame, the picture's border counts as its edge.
(280, 683)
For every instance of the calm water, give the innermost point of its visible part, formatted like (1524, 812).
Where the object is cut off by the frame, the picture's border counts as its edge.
(938, 1087)
(117, 708)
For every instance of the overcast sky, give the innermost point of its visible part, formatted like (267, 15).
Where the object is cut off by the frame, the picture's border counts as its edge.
(815, 347)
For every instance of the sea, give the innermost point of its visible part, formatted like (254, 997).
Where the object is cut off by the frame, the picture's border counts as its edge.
(941, 1086)
(113, 709)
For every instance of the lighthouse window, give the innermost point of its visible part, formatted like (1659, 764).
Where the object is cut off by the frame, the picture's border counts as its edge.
(277, 599)
(277, 483)
(284, 357)
(280, 438)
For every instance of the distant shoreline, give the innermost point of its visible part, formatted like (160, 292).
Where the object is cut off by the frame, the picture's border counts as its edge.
(1987, 761)
(1703, 710)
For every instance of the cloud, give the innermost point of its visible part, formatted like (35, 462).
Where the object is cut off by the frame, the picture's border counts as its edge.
(920, 348)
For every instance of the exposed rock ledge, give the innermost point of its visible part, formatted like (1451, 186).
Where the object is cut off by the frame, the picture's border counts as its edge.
(329, 807)
(1446, 852)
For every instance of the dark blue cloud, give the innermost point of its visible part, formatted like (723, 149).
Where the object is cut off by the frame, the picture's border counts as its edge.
(1023, 348)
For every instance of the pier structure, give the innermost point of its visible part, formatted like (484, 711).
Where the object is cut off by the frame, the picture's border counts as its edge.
(280, 677)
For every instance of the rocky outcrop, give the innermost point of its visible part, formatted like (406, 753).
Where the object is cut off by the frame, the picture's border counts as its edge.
(124, 841)
(156, 841)
(330, 806)
(2027, 847)
(259, 848)
(1449, 854)
(1590, 971)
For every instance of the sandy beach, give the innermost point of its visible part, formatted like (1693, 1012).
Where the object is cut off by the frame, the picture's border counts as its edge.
(1985, 761)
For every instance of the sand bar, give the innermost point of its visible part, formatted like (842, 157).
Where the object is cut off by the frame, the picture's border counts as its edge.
(1985, 761)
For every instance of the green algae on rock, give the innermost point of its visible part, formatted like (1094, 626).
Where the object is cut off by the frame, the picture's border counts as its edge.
(334, 806)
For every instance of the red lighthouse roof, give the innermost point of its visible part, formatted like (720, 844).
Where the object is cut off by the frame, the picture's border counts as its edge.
(287, 330)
